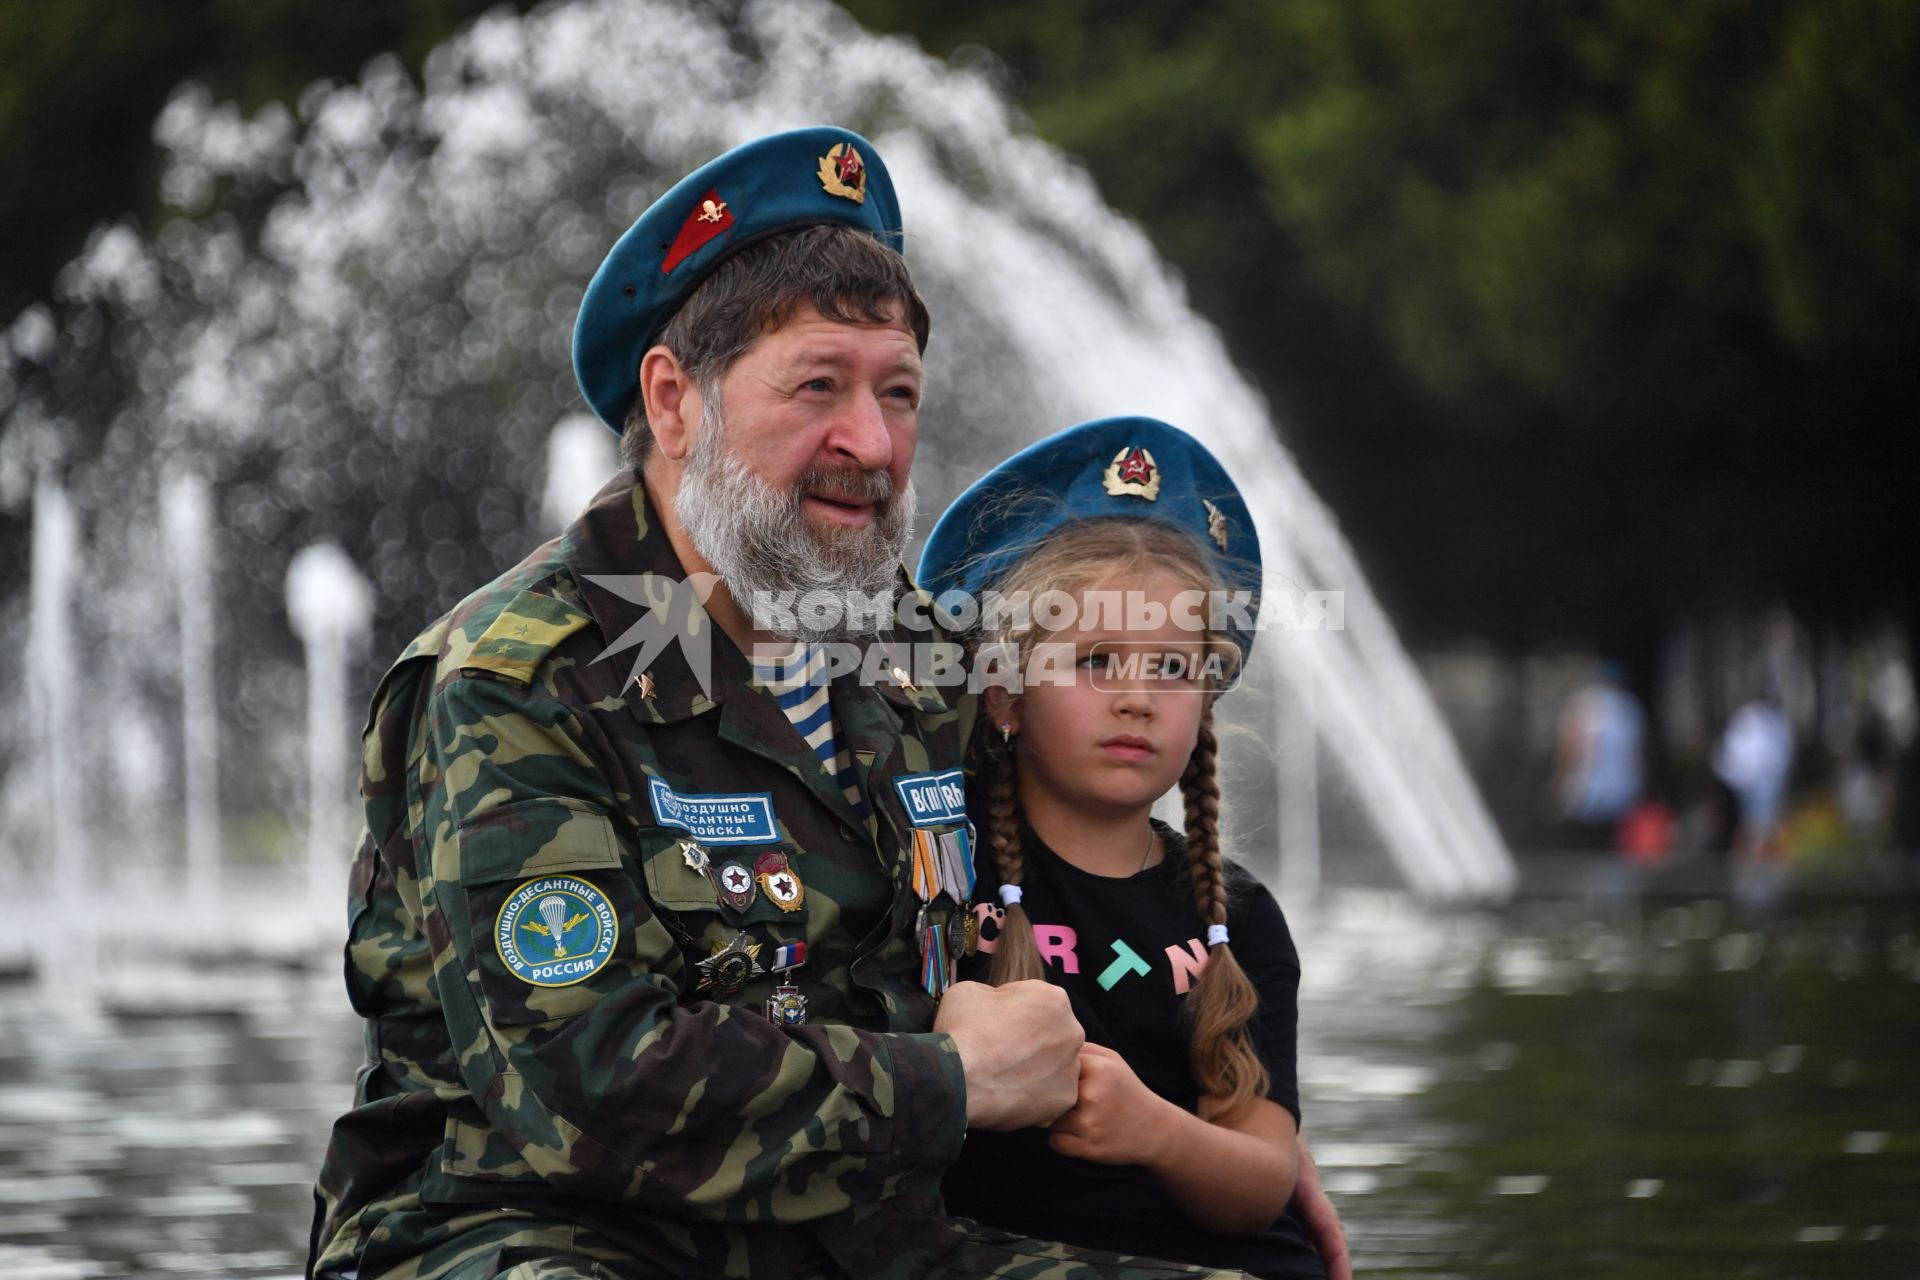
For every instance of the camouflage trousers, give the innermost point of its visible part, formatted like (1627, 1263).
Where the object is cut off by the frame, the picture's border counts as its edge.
(569, 1253)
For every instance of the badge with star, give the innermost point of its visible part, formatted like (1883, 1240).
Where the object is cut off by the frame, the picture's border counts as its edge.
(736, 885)
(780, 882)
(843, 173)
(1132, 472)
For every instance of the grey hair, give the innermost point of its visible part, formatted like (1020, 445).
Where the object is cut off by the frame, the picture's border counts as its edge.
(845, 275)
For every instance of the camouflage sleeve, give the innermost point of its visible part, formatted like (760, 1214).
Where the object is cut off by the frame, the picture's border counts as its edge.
(619, 1086)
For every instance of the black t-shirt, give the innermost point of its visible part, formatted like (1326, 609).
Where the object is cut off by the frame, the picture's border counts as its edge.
(1126, 951)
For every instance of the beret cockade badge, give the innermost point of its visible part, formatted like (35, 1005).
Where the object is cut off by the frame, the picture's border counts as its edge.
(843, 173)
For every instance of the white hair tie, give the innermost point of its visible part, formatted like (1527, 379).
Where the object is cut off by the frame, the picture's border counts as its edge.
(1009, 894)
(1216, 935)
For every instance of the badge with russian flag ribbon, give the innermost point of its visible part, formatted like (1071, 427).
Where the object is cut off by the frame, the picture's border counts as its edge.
(786, 1007)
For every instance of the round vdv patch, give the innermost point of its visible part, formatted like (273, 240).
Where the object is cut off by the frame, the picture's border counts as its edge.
(556, 931)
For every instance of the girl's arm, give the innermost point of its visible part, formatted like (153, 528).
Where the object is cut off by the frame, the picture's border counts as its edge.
(1232, 1179)
(1319, 1217)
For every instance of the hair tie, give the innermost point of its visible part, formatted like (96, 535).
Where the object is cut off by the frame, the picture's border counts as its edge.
(1216, 935)
(1009, 894)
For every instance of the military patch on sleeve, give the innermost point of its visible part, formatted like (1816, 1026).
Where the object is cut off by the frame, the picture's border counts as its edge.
(933, 799)
(744, 817)
(556, 931)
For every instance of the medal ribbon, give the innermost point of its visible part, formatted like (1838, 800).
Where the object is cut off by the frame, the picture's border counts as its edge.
(943, 863)
(926, 871)
(935, 968)
(956, 865)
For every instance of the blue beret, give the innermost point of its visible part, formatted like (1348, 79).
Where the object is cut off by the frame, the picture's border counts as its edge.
(1137, 468)
(803, 178)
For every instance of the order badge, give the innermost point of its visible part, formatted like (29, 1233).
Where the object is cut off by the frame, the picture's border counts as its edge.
(556, 931)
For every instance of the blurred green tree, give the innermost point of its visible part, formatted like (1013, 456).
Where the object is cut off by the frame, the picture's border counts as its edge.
(81, 82)
(1581, 315)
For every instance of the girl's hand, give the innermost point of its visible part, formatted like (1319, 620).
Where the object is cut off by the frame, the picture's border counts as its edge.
(1319, 1217)
(1231, 1179)
(1117, 1120)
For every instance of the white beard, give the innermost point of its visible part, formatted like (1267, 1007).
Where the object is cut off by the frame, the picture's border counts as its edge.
(762, 545)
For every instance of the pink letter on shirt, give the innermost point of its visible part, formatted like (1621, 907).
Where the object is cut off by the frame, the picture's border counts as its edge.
(1056, 941)
(1187, 964)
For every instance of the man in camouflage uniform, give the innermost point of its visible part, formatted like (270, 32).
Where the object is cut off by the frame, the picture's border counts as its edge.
(576, 873)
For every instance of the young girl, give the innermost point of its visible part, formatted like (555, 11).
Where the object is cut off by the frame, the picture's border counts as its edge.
(1182, 1144)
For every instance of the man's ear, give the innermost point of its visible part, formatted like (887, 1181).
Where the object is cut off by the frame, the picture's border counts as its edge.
(672, 402)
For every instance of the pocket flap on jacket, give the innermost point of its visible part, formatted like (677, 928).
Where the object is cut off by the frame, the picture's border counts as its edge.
(537, 837)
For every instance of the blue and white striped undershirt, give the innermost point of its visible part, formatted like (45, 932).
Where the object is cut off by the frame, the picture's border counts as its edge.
(799, 684)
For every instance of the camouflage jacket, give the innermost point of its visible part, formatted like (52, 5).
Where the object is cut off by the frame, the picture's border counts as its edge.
(632, 1112)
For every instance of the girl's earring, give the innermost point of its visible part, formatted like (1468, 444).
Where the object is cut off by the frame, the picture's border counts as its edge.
(1006, 733)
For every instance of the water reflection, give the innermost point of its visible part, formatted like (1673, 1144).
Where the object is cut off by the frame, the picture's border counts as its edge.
(138, 1146)
(1654, 1089)
(1651, 1090)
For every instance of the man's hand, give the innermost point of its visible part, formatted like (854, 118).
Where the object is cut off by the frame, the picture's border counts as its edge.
(1019, 1047)
(1116, 1120)
(1318, 1216)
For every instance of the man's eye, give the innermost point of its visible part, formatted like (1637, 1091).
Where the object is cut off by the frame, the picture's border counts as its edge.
(816, 384)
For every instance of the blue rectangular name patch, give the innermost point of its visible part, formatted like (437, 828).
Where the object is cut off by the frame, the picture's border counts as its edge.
(742, 818)
(933, 799)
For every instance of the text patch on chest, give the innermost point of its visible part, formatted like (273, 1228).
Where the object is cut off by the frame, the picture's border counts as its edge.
(933, 799)
(739, 818)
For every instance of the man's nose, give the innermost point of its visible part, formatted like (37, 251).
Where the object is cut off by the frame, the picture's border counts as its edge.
(860, 433)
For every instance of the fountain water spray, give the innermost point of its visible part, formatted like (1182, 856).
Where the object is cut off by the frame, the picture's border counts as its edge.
(55, 567)
(580, 457)
(380, 363)
(186, 511)
(329, 605)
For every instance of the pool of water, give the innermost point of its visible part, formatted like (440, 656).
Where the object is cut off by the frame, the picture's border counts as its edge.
(1561, 1089)
(1659, 1089)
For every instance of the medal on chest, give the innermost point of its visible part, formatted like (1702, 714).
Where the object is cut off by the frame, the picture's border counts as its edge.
(735, 883)
(780, 882)
(942, 867)
(731, 966)
(786, 1007)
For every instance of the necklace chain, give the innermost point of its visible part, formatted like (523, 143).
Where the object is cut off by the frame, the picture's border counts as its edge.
(1147, 857)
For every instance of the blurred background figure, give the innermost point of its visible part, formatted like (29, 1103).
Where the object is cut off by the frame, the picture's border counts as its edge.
(1754, 758)
(1881, 730)
(1599, 776)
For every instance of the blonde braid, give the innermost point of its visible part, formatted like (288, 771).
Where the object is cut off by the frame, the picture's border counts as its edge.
(1222, 1055)
(1016, 956)
(1201, 793)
